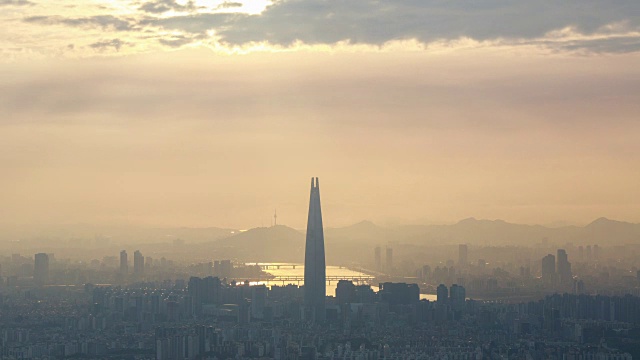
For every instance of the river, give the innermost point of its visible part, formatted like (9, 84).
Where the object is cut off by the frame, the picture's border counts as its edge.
(288, 270)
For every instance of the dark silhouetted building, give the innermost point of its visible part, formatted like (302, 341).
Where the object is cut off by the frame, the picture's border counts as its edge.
(442, 294)
(41, 268)
(442, 303)
(345, 292)
(399, 293)
(258, 301)
(563, 266)
(124, 262)
(222, 269)
(457, 297)
(549, 268)
(314, 261)
(138, 263)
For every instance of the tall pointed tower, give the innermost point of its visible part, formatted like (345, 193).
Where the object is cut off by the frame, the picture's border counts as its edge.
(314, 266)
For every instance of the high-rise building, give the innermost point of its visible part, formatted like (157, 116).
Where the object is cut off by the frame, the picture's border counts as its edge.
(138, 263)
(124, 262)
(426, 273)
(314, 261)
(457, 295)
(226, 268)
(204, 291)
(563, 266)
(442, 294)
(258, 301)
(41, 268)
(345, 292)
(462, 255)
(222, 268)
(549, 268)
(399, 293)
(378, 258)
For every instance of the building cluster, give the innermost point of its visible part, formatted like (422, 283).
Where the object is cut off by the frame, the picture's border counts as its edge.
(556, 269)
(528, 273)
(207, 318)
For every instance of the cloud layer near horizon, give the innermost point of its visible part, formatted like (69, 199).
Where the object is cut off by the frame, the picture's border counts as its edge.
(574, 25)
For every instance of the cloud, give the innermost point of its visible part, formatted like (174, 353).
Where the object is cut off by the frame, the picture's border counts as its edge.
(380, 21)
(376, 22)
(598, 27)
(105, 44)
(597, 45)
(229, 5)
(176, 41)
(106, 22)
(16, 3)
(162, 6)
(194, 24)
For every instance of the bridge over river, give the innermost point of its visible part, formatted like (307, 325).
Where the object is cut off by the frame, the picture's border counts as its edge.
(298, 279)
(292, 273)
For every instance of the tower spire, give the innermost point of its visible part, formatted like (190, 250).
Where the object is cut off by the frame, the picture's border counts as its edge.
(314, 259)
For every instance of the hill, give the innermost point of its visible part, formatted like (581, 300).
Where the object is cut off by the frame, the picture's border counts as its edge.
(276, 243)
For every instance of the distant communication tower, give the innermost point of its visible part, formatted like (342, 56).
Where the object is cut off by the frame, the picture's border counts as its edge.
(275, 217)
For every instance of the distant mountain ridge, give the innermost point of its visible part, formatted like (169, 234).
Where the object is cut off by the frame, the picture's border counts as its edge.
(490, 232)
(472, 231)
(351, 243)
(275, 243)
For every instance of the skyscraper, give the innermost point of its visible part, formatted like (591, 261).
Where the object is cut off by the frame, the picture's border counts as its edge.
(41, 268)
(138, 263)
(457, 297)
(314, 264)
(124, 263)
(549, 268)
(442, 294)
(345, 292)
(563, 266)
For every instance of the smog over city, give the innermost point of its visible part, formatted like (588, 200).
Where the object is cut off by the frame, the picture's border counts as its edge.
(319, 179)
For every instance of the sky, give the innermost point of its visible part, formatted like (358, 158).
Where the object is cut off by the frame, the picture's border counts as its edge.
(216, 113)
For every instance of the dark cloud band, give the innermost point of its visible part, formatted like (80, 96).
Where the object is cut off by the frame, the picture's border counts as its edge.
(376, 22)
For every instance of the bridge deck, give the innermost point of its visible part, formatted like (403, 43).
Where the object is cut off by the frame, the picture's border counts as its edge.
(329, 279)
